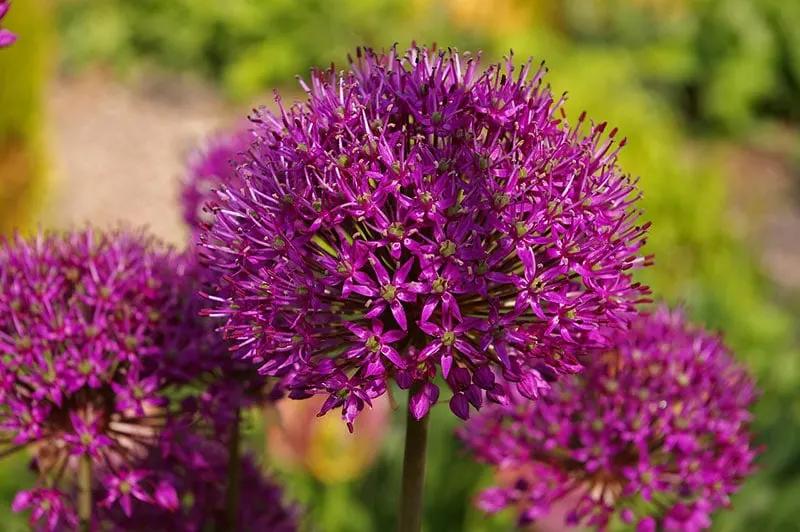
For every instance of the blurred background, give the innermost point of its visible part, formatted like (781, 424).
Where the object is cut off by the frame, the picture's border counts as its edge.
(100, 101)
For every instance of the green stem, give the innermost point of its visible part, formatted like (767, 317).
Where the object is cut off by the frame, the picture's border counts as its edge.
(234, 475)
(269, 418)
(85, 493)
(411, 495)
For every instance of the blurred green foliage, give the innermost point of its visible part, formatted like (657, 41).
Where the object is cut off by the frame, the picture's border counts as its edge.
(723, 63)
(645, 66)
(246, 46)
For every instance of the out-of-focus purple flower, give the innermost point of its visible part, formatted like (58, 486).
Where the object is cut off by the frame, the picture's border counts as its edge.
(50, 508)
(656, 431)
(125, 486)
(99, 335)
(419, 214)
(6, 37)
(209, 169)
(199, 476)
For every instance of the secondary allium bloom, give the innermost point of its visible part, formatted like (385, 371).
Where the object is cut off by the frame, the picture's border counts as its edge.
(415, 215)
(199, 471)
(663, 417)
(6, 37)
(97, 333)
(210, 168)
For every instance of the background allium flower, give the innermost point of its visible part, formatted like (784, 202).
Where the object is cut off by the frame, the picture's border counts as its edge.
(416, 214)
(209, 168)
(6, 37)
(97, 334)
(199, 474)
(664, 417)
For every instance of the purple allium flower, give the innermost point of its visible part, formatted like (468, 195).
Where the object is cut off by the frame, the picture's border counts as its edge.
(415, 214)
(209, 169)
(6, 37)
(663, 417)
(199, 474)
(99, 335)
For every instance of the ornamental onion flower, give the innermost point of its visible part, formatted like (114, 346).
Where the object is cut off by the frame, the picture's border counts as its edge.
(98, 333)
(209, 168)
(199, 472)
(6, 37)
(656, 433)
(418, 216)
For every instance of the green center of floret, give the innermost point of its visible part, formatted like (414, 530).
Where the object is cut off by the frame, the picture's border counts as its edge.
(374, 344)
(439, 285)
(447, 248)
(388, 292)
(449, 338)
(397, 230)
(85, 367)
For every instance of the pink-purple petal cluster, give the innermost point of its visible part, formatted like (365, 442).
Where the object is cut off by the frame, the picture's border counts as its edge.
(209, 169)
(7, 38)
(99, 335)
(656, 432)
(199, 470)
(418, 215)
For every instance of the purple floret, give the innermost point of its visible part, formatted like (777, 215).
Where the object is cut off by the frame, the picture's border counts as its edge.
(199, 472)
(209, 169)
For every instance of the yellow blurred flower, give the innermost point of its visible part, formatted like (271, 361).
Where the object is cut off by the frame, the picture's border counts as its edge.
(322, 445)
(498, 16)
(494, 17)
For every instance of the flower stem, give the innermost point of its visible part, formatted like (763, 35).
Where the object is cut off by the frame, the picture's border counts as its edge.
(411, 495)
(85, 493)
(270, 417)
(234, 472)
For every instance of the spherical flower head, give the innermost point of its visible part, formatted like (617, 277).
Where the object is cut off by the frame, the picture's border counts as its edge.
(209, 168)
(6, 37)
(656, 432)
(98, 333)
(199, 469)
(417, 216)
